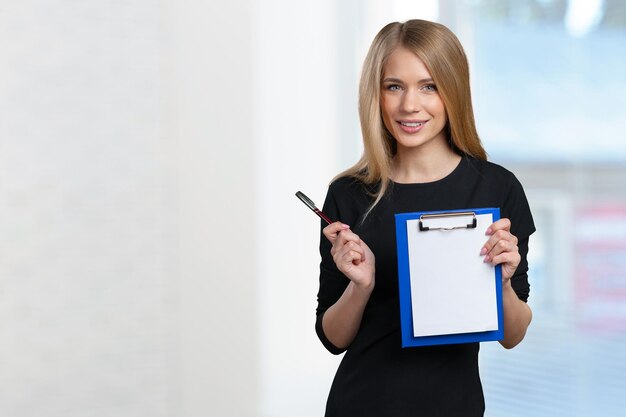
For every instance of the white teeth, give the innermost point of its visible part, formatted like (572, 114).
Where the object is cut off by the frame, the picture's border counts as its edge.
(411, 124)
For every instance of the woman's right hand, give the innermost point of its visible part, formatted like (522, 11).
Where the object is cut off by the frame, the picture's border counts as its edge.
(351, 255)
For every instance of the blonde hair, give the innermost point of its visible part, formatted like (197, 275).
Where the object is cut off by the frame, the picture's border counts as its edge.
(442, 54)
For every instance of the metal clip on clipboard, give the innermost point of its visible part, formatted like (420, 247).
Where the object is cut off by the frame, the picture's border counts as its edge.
(425, 217)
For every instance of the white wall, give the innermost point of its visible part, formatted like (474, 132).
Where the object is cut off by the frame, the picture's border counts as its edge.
(296, 128)
(88, 304)
(128, 261)
(214, 132)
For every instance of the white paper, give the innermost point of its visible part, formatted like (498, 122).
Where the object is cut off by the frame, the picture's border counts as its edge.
(452, 289)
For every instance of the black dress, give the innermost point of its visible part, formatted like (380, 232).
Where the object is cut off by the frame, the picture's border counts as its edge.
(377, 377)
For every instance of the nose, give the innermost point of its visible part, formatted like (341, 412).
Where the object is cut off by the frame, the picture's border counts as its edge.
(411, 102)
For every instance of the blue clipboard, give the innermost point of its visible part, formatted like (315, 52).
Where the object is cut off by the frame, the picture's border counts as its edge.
(405, 224)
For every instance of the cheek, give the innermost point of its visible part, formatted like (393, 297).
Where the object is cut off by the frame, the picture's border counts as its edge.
(439, 109)
(444, 115)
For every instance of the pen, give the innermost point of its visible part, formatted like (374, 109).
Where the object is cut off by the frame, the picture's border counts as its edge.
(310, 204)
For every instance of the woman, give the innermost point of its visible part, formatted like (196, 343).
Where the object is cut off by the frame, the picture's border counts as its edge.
(421, 153)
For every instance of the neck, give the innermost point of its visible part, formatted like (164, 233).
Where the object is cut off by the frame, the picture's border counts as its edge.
(414, 165)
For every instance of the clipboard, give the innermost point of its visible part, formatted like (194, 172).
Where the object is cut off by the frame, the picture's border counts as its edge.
(448, 295)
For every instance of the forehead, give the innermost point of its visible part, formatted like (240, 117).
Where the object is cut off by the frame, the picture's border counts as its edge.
(404, 64)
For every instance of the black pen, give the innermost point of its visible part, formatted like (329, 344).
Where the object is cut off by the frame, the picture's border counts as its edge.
(310, 204)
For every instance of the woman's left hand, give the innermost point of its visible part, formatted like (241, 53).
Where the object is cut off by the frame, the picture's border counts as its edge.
(501, 248)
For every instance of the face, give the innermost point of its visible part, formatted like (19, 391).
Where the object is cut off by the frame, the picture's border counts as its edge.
(412, 110)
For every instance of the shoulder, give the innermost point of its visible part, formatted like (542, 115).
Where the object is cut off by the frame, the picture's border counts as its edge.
(343, 184)
(349, 188)
(490, 170)
(348, 198)
(496, 175)
(513, 202)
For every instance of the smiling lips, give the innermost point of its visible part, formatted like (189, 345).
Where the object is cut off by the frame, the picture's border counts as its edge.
(411, 126)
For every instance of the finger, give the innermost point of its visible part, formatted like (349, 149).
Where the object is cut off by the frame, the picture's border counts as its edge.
(347, 235)
(352, 248)
(502, 224)
(353, 257)
(339, 241)
(333, 229)
(495, 238)
(501, 247)
(511, 258)
(346, 259)
(349, 253)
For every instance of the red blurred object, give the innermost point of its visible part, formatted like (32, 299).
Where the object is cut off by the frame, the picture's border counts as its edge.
(600, 266)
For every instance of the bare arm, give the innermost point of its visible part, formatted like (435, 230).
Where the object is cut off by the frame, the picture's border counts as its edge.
(517, 317)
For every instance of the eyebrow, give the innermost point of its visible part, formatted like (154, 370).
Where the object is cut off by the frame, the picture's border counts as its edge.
(399, 81)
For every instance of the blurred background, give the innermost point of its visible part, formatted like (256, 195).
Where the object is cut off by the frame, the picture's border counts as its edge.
(154, 260)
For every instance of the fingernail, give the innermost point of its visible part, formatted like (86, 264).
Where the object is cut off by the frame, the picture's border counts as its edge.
(486, 260)
(345, 226)
(488, 232)
(483, 251)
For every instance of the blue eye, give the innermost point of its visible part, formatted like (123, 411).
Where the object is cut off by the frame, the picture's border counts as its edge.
(392, 87)
(429, 87)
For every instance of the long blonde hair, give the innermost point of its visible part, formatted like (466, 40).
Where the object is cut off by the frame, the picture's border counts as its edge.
(440, 50)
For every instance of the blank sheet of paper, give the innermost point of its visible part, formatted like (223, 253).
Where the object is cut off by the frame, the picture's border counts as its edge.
(452, 289)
